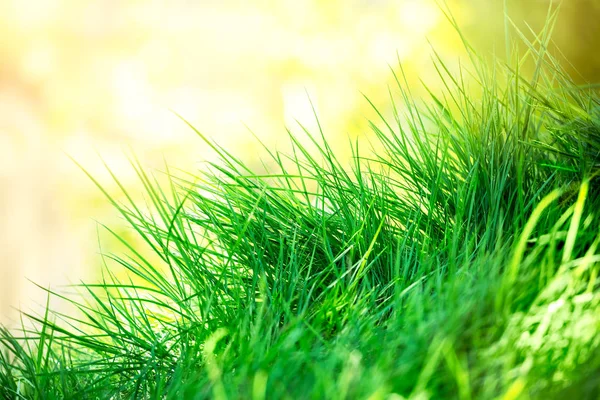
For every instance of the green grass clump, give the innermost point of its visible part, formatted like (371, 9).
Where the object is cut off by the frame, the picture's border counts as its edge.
(459, 261)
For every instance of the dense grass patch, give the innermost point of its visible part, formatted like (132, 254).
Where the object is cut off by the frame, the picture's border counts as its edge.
(458, 261)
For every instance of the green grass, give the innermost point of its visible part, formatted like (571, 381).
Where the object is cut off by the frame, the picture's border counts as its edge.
(458, 260)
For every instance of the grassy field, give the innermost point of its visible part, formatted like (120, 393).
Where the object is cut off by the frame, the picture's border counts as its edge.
(457, 260)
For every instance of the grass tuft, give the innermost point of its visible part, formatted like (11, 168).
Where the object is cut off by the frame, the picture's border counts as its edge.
(459, 259)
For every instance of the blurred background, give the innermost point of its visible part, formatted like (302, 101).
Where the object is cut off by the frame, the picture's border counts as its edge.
(98, 77)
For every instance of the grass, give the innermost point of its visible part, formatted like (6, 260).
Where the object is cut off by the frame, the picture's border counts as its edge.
(458, 260)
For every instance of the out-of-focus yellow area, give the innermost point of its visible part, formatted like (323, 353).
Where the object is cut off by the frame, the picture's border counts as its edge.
(99, 76)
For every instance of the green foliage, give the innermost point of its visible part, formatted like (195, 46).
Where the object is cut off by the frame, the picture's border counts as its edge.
(458, 261)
